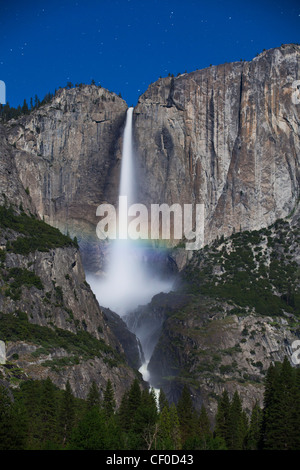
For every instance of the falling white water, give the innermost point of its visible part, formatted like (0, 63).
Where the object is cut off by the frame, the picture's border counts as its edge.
(146, 376)
(127, 171)
(128, 283)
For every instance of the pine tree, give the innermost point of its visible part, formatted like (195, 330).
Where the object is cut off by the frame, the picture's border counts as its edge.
(296, 411)
(255, 428)
(48, 413)
(5, 419)
(222, 417)
(236, 424)
(162, 400)
(145, 418)
(130, 402)
(134, 398)
(90, 433)
(278, 429)
(244, 428)
(169, 434)
(205, 433)
(175, 428)
(270, 381)
(164, 440)
(37, 102)
(30, 396)
(25, 109)
(109, 403)
(203, 422)
(123, 412)
(187, 415)
(19, 426)
(13, 422)
(129, 416)
(67, 413)
(114, 436)
(93, 397)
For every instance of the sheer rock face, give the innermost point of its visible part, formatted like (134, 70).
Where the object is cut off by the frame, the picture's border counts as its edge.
(244, 360)
(65, 301)
(55, 164)
(12, 190)
(67, 154)
(226, 136)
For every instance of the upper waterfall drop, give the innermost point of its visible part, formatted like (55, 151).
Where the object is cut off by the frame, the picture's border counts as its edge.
(128, 282)
(127, 168)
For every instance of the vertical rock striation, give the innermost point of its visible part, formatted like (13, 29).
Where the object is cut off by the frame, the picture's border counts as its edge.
(67, 154)
(226, 136)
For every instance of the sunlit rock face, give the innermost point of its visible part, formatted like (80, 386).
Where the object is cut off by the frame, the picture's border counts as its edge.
(226, 136)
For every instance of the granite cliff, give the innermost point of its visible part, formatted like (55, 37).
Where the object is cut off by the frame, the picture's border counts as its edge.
(50, 321)
(67, 154)
(235, 310)
(226, 136)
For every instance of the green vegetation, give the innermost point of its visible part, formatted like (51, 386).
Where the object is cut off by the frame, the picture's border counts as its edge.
(24, 277)
(276, 426)
(256, 270)
(36, 234)
(18, 277)
(82, 345)
(2, 255)
(42, 417)
(8, 112)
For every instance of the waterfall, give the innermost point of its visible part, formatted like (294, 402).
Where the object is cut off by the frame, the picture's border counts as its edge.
(128, 282)
(127, 170)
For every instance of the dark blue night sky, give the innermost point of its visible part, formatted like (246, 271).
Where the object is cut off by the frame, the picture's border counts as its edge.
(125, 45)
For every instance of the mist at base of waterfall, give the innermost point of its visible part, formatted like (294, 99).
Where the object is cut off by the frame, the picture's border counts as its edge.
(129, 282)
